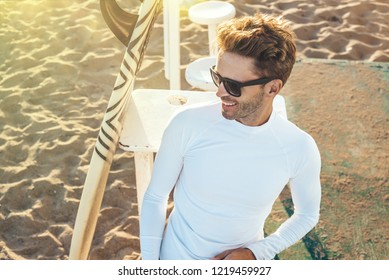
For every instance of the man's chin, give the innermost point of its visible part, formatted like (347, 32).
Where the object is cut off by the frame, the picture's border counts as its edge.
(228, 116)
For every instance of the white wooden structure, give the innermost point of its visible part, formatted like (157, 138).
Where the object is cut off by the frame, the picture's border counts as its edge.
(210, 13)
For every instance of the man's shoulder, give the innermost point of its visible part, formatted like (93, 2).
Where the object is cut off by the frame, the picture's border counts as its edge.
(198, 112)
(291, 134)
(299, 146)
(190, 120)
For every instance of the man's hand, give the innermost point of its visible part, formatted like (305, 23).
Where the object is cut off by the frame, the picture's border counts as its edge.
(236, 254)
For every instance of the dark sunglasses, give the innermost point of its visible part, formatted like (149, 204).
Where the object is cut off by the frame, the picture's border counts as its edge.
(234, 87)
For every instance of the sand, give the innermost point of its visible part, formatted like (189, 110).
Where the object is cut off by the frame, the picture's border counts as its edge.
(58, 64)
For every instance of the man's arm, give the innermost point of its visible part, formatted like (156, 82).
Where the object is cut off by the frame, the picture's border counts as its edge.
(167, 167)
(306, 194)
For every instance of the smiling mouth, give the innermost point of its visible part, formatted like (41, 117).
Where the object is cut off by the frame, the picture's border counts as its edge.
(229, 104)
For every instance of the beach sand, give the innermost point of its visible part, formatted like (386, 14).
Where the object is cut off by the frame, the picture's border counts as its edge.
(58, 65)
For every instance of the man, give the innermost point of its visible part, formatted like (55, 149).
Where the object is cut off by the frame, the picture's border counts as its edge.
(229, 160)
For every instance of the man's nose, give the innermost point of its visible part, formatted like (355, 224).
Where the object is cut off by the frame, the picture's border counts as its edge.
(221, 91)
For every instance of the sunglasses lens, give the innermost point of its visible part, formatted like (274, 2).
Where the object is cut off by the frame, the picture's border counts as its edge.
(215, 77)
(232, 88)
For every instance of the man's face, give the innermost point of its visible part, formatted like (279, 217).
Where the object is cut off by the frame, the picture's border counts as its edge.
(251, 108)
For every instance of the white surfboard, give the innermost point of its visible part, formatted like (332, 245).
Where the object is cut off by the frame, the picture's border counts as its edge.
(111, 127)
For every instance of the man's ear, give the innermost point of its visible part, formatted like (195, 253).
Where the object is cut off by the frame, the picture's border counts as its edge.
(274, 87)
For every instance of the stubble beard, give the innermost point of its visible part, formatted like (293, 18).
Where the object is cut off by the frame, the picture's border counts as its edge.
(245, 110)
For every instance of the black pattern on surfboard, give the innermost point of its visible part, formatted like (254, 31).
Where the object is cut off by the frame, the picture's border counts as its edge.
(111, 127)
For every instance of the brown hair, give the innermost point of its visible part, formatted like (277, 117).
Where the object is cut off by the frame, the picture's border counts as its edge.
(267, 39)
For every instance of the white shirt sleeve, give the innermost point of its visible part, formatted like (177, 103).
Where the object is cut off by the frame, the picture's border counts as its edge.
(306, 194)
(167, 167)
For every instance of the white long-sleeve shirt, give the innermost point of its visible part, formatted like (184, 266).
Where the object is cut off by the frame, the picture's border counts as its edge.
(227, 176)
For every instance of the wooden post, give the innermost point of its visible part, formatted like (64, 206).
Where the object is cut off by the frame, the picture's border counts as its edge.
(144, 162)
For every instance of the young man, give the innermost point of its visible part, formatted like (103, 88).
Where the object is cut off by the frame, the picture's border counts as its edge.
(229, 160)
